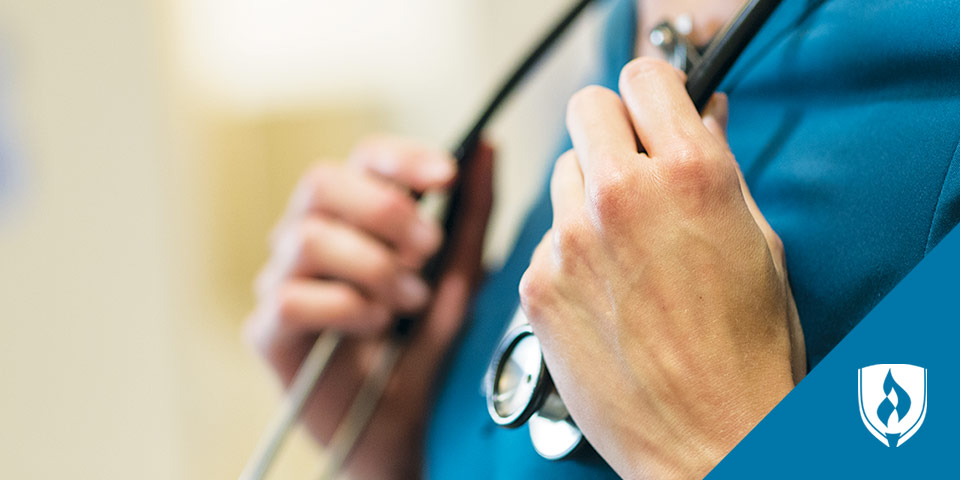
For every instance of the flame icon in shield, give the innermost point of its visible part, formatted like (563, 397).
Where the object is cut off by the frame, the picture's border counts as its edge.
(893, 401)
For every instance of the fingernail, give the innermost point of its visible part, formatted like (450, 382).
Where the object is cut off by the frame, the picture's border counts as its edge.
(438, 170)
(424, 236)
(412, 291)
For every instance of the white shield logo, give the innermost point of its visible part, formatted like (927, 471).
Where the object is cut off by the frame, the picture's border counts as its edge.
(893, 401)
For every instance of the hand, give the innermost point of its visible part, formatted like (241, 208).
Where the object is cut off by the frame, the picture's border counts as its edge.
(660, 294)
(346, 256)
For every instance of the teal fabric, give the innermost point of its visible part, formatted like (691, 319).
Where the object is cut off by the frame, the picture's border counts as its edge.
(845, 118)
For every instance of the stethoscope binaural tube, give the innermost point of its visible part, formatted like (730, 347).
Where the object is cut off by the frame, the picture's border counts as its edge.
(517, 384)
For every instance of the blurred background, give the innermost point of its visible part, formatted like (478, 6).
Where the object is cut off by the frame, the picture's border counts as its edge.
(146, 148)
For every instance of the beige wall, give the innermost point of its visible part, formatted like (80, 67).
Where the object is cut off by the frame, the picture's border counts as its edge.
(158, 141)
(85, 275)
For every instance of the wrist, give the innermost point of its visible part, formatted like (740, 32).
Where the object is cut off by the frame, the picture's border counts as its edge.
(685, 450)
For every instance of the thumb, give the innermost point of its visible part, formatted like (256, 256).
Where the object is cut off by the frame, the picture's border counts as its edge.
(463, 262)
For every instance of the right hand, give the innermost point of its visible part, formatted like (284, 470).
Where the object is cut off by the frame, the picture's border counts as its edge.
(345, 256)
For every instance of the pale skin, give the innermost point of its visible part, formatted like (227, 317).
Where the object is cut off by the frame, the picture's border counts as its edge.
(705, 325)
(660, 294)
(345, 256)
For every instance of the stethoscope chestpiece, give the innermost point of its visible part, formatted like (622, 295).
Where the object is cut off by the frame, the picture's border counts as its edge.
(516, 378)
(672, 38)
(519, 390)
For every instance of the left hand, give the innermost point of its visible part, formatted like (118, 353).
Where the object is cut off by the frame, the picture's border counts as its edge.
(660, 295)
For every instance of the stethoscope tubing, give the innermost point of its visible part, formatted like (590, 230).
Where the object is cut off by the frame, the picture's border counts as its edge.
(725, 48)
(702, 81)
(717, 60)
(310, 371)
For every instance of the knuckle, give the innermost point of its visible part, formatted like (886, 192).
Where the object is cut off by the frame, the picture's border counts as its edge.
(570, 243)
(699, 177)
(688, 152)
(688, 167)
(613, 195)
(534, 292)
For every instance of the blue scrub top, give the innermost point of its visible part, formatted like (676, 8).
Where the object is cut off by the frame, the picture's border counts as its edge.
(845, 119)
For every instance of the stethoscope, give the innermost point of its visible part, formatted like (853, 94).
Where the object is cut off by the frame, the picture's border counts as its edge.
(518, 385)
(519, 391)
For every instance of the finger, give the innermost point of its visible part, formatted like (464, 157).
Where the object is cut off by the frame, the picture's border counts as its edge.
(308, 305)
(371, 204)
(566, 187)
(662, 113)
(463, 269)
(326, 248)
(600, 129)
(715, 116)
(406, 162)
(463, 265)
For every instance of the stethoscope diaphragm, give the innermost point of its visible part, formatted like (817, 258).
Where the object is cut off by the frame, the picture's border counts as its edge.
(517, 385)
(519, 391)
(515, 379)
